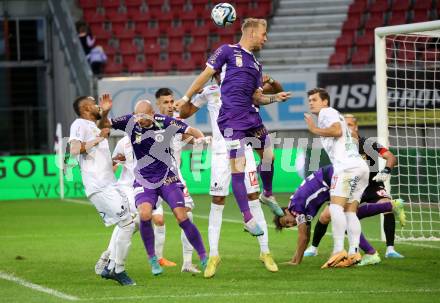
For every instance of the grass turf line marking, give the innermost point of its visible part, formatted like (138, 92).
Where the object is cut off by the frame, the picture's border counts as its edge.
(265, 294)
(37, 287)
(82, 202)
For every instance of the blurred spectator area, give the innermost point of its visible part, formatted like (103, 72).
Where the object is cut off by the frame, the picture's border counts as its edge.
(162, 36)
(355, 45)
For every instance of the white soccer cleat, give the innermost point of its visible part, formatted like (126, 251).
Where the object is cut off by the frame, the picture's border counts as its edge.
(311, 252)
(272, 203)
(102, 262)
(253, 228)
(191, 268)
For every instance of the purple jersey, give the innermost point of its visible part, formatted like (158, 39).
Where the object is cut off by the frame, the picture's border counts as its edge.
(312, 193)
(241, 76)
(151, 147)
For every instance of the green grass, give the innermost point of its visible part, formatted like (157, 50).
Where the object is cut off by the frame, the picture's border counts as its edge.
(59, 243)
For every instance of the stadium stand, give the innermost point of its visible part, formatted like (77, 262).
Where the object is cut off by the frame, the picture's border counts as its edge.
(364, 16)
(161, 36)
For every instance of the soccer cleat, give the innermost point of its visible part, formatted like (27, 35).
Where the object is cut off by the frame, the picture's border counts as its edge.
(102, 262)
(368, 259)
(268, 261)
(108, 274)
(253, 228)
(272, 204)
(124, 279)
(311, 252)
(204, 263)
(156, 269)
(335, 259)
(166, 263)
(394, 255)
(211, 267)
(191, 268)
(399, 211)
(351, 260)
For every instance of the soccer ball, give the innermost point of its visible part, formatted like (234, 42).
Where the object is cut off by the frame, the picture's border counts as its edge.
(223, 14)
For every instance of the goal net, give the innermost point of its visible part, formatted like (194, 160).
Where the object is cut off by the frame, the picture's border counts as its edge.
(408, 115)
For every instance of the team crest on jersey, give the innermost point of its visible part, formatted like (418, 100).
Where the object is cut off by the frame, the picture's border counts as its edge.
(158, 137)
(239, 61)
(138, 137)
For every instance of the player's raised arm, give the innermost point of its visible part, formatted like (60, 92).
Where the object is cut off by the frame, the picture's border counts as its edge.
(187, 109)
(262, 99)
(78, 147)
(196, 86)
(105, 103)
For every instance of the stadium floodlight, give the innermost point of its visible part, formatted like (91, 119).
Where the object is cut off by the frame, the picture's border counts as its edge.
(408, 116)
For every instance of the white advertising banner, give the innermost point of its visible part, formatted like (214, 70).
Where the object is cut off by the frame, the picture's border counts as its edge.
(126, 91)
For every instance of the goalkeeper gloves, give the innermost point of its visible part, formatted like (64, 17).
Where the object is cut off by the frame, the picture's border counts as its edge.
(383, 176)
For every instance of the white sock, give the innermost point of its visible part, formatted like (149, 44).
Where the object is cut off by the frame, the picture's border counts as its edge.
(390, 249)
(257, 213)
(123, 243)
(112, 247)
(215, 225)
(187, 248)
(339, 225)
(159, 240)
(353, 232)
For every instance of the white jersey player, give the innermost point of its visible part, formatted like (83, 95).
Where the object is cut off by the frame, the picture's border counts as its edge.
(89, 144)
(221, 178)
(349, 180)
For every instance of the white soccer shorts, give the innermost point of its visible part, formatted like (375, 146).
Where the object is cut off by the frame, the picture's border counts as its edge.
(112, 204)
(221, 174)
(350, 183)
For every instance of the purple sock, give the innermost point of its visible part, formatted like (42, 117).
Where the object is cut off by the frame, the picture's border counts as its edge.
(194, 237)
(240, 193)
(147, 235)
(266, 174)
(371, 209)
(366, 246)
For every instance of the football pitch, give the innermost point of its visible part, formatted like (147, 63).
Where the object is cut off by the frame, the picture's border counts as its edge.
(48, 249)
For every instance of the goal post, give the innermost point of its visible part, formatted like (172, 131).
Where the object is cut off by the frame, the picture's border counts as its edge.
(407, 63)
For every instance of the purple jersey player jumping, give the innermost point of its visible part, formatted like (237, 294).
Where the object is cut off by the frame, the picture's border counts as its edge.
(151, 135)
(305, 204)
(239, 120)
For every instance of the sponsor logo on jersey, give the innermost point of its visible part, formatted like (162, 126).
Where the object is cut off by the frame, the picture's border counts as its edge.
(216, 188)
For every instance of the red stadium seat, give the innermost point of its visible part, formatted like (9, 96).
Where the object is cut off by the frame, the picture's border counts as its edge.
(151, 49)
(137, 3)
(185, 65)
(175, 46)
(423, 5)
(374, 21)
(420, 16)
(126, 47)
(113, 68)
(379, 6)
(161, 66)
(126, 33)
(401, 5)
(361, 56)
(344, 41)
(352, 23)
(366, 40)
(358, 7)
(94, 18)
(115, 16)
(85, 4)
(110, 3)
(398, 17)
(339, 58)
(135, 66)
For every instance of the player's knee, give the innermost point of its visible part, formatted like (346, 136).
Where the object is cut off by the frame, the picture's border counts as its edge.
(218, 200)
(325, 217)
(180, 214)
(144, 214)
(252, 196)
(158, 220)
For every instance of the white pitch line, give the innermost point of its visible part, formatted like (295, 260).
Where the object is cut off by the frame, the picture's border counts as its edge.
(259, 294)
(37, 287)
(269, 225)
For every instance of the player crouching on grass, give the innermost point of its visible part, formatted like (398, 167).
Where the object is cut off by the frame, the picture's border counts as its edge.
(305, 204)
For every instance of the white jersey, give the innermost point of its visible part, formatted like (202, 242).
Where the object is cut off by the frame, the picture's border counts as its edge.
(124, 147)
(177, 144)
(96, 164)
(342, 151)
(211, 96)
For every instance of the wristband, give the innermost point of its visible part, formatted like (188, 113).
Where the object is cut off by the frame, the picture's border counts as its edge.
(387, 170)
(185, 98)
